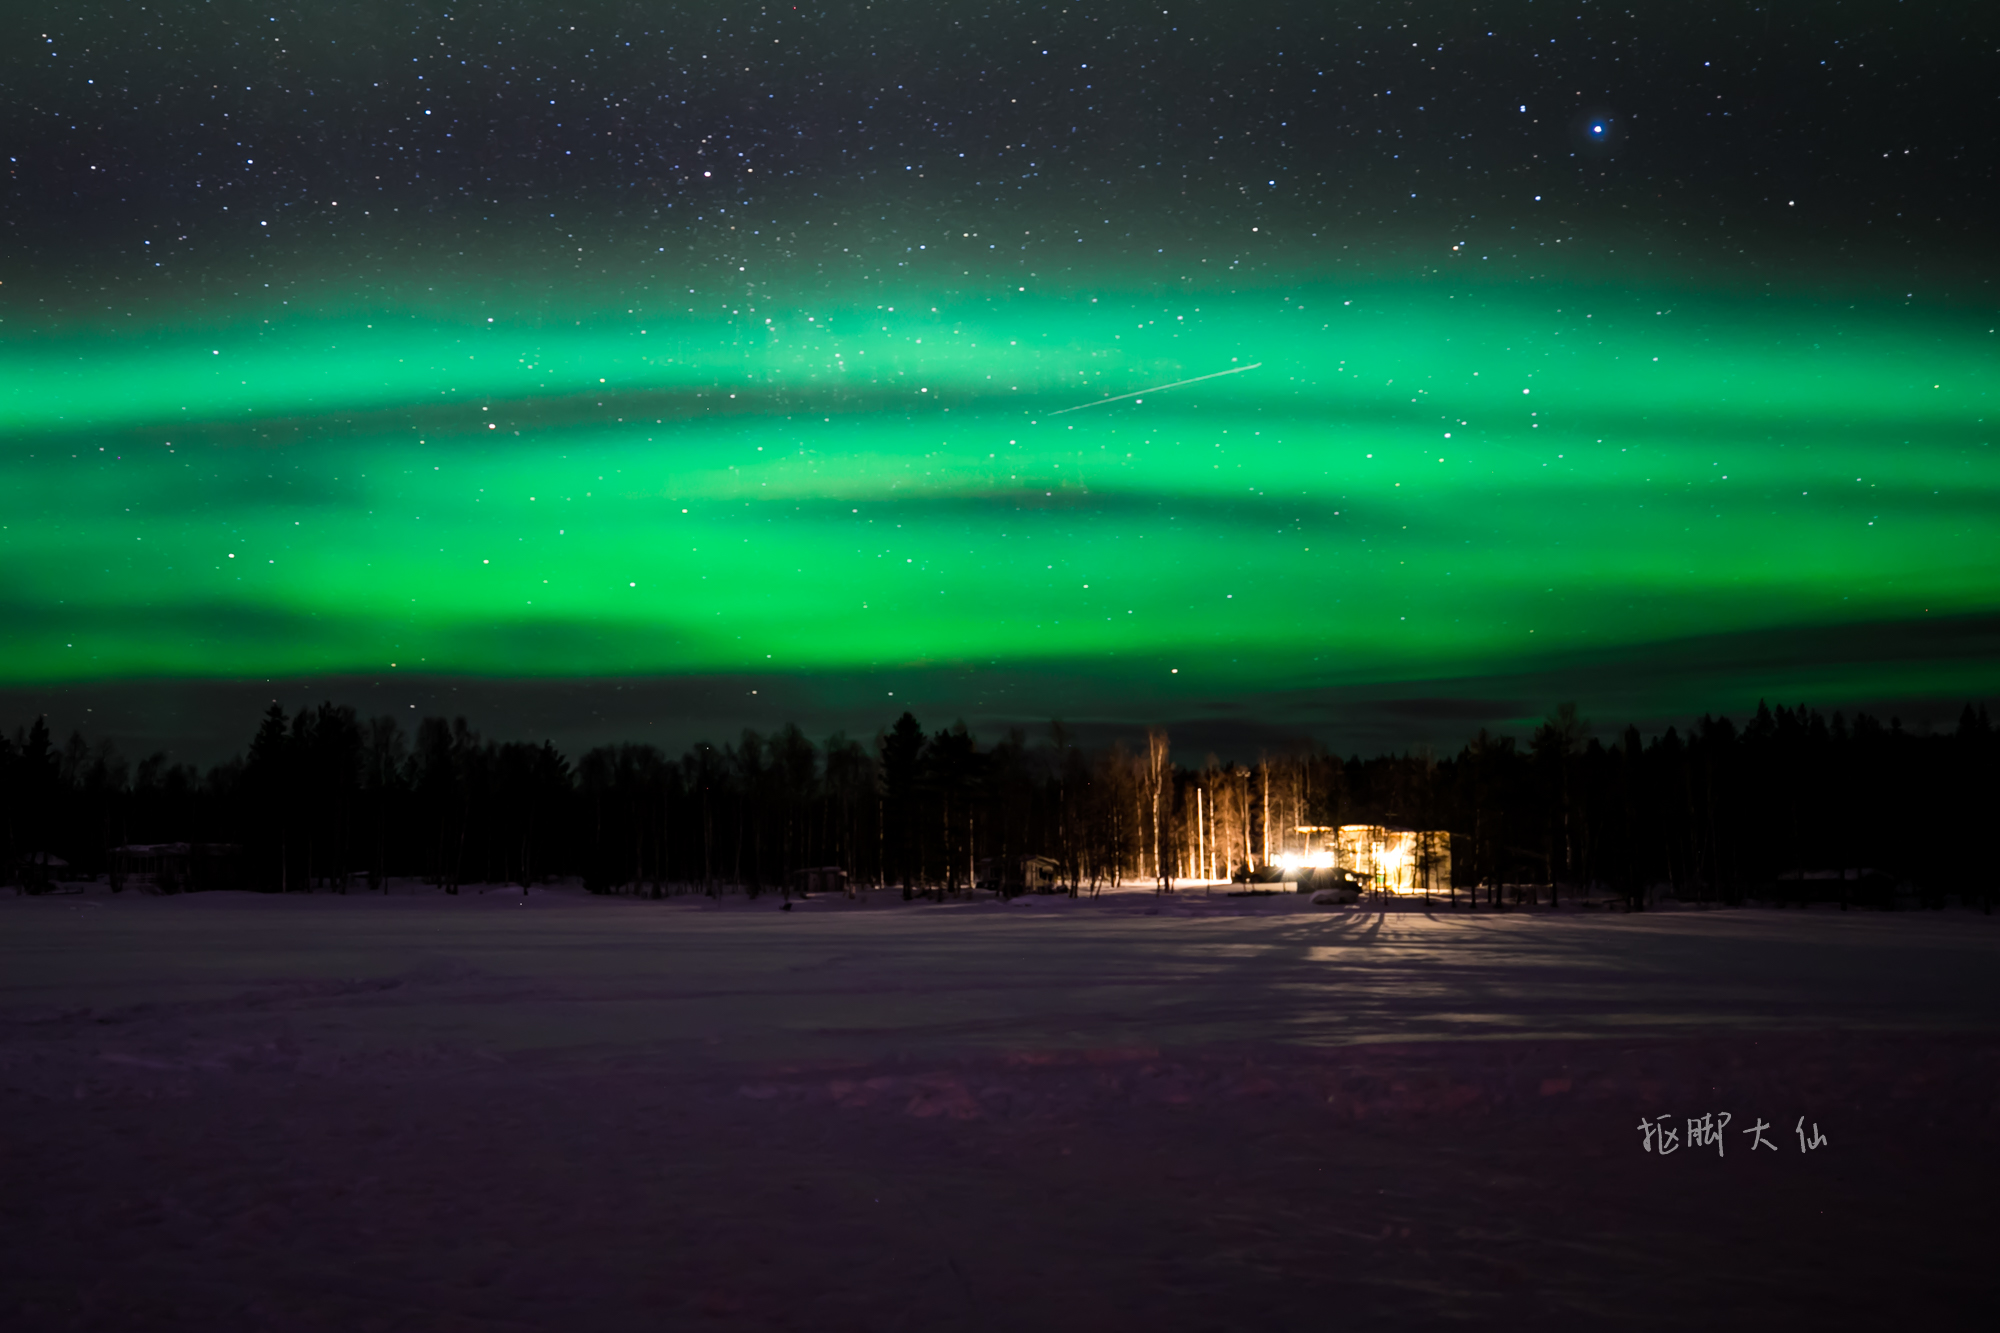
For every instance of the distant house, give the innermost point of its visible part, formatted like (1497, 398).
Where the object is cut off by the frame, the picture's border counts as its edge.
(1863, 886)
(1379, 857)
(41, 870)
(1021, 874)
(176, 867)
(820, 879)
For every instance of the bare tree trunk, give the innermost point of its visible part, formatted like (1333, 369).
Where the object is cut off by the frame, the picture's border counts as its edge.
(1159, 774)
(1201, 837)
(1264, 766)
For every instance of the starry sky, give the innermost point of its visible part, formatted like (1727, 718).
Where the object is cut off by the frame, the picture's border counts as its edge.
(1368, 372)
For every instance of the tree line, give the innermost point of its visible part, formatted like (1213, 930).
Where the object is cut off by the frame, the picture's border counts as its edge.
(323, 799)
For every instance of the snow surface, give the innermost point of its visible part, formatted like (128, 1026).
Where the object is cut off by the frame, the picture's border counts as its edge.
(550, 1110)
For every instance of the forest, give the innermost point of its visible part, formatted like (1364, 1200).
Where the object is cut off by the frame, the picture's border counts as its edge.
(325, 800)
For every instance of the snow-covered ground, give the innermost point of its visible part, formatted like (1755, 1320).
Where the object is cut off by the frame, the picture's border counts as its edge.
(553, 1110)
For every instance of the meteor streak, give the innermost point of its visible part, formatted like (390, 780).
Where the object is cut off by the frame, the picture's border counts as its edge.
(1159, 388)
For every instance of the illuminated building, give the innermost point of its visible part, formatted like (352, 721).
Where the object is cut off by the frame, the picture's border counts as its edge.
(1393, 860)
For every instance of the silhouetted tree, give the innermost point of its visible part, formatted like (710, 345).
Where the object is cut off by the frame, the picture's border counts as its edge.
(902, 752)
(1792, 805)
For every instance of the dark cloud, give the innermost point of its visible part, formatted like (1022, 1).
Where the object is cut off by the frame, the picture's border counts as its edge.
(1894, 668)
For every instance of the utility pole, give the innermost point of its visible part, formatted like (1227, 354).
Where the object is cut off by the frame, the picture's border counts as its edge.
(1201, 836)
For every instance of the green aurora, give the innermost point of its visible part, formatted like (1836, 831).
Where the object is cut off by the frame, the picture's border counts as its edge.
(1422, 479)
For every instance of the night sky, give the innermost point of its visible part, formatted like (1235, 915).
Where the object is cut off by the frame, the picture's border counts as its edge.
(648, 371)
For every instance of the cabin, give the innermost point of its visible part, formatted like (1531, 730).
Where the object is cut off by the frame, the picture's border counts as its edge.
(176, 867)
(1375, 856)
(1021, 874)
(1397, 860)
(41, 871)
(1860, 886)
(820, 879)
